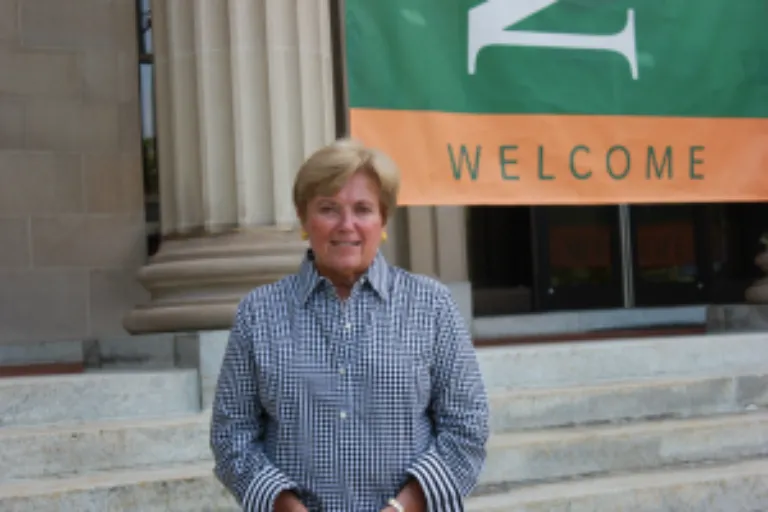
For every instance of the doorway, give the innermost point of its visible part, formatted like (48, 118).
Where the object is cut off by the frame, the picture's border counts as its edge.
(561, 258)
(501, 259)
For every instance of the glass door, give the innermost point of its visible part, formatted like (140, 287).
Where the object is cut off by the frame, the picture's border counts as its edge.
(577, 257)
(671, 255)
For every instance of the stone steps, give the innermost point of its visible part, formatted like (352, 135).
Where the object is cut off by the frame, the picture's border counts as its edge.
(554, 454)
(188, 487)
(628, 425)
(569, 421)
(192, 487)
(532, 408)
(56, 450)
(97, 395)
(62, 449)
(98, 451)
(151, 393)
(594, 362)
(738, 486)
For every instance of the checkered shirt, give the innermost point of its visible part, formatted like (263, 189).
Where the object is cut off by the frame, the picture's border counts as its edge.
(344, 401)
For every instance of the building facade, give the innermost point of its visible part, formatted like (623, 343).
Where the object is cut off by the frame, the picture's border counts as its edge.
(147, 152)
(72, 228)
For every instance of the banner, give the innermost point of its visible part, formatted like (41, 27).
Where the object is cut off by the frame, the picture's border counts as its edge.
(564, 102)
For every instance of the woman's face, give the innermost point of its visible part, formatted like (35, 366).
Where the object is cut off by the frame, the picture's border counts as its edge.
(345, 230)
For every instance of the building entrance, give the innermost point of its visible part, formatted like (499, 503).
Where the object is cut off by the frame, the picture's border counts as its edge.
(557, 258)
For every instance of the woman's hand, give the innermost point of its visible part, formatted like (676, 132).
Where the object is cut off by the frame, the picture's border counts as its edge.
(411, 497)
(288, 502)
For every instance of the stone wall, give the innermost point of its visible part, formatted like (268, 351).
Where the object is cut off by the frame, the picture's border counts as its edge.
(72, 232)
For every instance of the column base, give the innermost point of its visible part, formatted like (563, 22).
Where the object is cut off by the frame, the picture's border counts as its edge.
(196, 283)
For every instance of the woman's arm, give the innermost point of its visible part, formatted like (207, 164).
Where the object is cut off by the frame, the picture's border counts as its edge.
(236, 425)
(449, 470)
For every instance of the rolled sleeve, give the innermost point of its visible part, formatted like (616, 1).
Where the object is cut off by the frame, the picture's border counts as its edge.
(448, 471)
(264, 489)
(438, 484)
(236, 426)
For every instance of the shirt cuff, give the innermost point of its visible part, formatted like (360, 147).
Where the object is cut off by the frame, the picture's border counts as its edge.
(264, 489)
(437, 483)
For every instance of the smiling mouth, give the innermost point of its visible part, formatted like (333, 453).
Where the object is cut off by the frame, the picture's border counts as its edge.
(345, 244)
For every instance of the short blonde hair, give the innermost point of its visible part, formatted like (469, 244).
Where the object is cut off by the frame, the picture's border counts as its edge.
(326, 171)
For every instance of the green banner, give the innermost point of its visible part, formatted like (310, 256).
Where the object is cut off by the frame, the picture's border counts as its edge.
(653, 67)
(693, 57)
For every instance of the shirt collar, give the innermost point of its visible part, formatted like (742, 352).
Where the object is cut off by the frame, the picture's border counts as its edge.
(309, 279)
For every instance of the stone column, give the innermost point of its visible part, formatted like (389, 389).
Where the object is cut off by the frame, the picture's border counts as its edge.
(244, 92)
(432, 240)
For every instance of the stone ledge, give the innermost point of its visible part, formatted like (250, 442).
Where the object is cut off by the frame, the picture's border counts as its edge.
(35, 353)
(39, 369)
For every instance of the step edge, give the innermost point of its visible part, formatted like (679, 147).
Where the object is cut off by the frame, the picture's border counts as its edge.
(649, 380)
(105, 479)
(627, 344)
(103, 425)
(636, 427)
(613, 484)
(91, 375)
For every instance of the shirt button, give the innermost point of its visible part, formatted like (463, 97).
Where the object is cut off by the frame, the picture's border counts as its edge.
(347, 326)
(343, 415)
(342, 371)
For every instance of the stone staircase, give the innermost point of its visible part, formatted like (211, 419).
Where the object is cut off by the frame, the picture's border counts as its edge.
(676, 424)
(106, 441)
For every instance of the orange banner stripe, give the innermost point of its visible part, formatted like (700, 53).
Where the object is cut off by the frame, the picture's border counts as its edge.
(549, 159)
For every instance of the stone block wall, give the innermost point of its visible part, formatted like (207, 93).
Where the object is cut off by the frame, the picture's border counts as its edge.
(72, 230)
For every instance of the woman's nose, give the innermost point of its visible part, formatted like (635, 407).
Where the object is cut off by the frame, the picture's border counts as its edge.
(346, 220)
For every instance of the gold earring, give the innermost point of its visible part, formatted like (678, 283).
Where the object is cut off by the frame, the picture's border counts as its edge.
(383, 236)
(304, 235)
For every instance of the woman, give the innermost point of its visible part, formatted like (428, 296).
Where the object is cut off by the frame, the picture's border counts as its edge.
(352, 385)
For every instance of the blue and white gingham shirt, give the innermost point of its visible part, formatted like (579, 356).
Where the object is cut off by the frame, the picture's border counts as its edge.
(344, 401)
